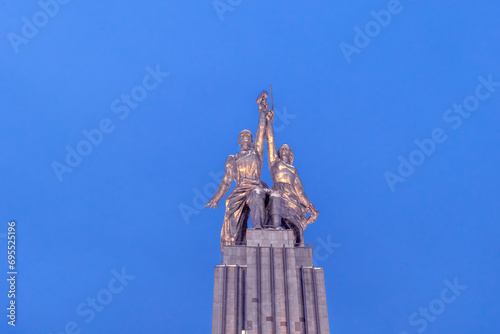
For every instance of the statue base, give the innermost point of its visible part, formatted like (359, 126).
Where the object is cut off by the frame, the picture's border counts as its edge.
(269, 286)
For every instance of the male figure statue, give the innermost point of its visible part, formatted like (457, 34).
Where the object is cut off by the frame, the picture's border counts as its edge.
(288, 203)
(248, 198)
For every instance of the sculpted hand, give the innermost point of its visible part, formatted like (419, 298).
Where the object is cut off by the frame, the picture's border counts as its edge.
(310, 208)
(309, 220)
(212, 204)
(270, 116)
(314, 214)
(263, 106)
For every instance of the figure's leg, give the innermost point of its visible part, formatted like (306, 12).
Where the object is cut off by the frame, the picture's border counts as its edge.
(300, 236)
(256, 202)
(235, 218)
(298, 233)
(274, 210)
(242, 227)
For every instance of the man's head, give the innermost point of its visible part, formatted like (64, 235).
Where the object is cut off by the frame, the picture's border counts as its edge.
(245, 139)
(286, 154)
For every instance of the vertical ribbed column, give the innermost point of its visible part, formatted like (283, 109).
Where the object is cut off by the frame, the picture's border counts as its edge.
(276, 289)
(224, 300)
(259, 291)
(293, 294)
(265, 286)
(279, 291)
(237, 304)
(273, 291)
(251, 298)
(322, 306)
(218, 300)
(304, 299)
(316, 309)
(242, 301)
(313, 298)
(231, 296)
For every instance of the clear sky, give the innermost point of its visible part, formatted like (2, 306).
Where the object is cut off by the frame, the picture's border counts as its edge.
(391, 109)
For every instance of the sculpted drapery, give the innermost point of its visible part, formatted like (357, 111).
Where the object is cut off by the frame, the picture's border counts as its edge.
(285, 205)
(248, 198)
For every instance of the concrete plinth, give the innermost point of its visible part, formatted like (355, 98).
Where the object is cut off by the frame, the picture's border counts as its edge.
(269, 287)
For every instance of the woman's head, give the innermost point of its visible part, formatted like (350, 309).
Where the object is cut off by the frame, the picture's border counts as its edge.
(286, 154)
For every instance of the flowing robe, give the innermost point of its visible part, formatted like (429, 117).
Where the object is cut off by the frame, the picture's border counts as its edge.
(287, 198)
(245, 197)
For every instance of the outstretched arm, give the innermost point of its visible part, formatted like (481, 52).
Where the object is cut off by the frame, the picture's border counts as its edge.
(271, 145)
(225, 183)
(260, 133)
(304, 200)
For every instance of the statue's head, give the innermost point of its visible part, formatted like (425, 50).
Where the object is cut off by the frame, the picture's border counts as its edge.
(245, 139)
(286, 154)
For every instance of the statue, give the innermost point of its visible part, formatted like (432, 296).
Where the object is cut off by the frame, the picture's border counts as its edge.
(249, 196)
(285, 205)
(288, 203)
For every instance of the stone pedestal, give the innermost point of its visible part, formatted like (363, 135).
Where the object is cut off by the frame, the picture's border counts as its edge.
(269, 287)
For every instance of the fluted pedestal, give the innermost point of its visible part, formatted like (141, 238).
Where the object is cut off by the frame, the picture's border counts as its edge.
(269, 287)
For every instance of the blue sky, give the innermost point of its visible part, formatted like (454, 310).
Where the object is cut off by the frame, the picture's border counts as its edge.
(391, 109)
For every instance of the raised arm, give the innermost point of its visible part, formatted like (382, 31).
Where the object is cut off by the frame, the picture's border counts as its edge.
(227, 178)
(271, 145)
(260, 133)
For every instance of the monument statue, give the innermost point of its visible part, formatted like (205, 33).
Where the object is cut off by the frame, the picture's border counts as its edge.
(266, 281)
(248, 198)
(288, 203)
(284, 206)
